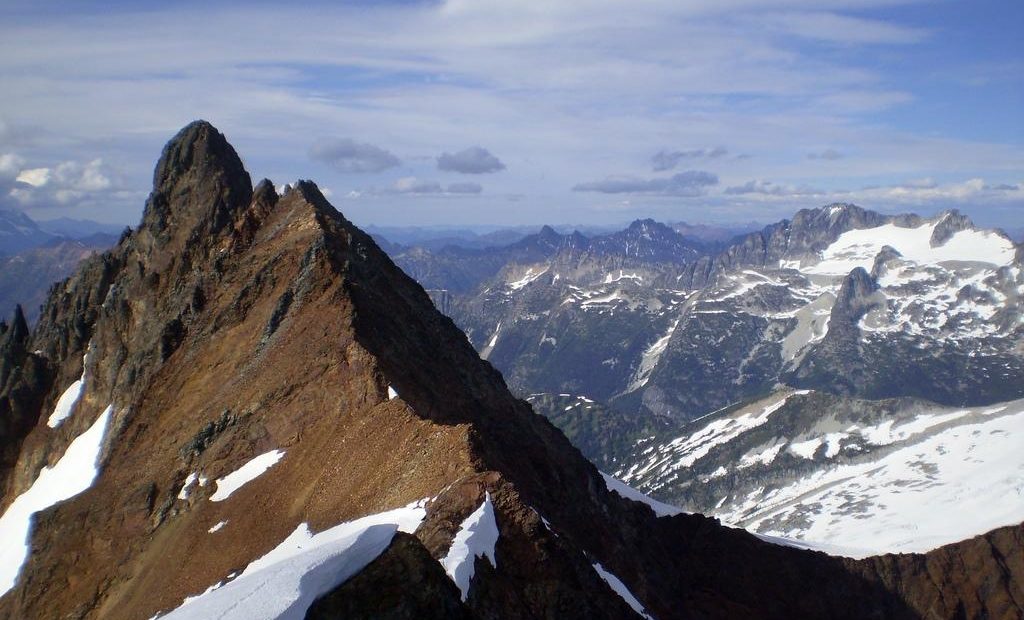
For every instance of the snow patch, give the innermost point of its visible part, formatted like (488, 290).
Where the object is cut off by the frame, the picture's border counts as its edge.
(245, 474)
(66, 403)
(476, 537)
(531, 275)
(73, 473)
(805, 449)
(486, 352)
(660, 509)
(849, 552)
(187, 487)
(609, 278)
(762, 457)
(621, 589)
(650, 359)
(684, 451)
(282, 584)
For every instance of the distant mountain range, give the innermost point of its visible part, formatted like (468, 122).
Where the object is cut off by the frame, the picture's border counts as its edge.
(35, 255)
(79, 229)
(632, 315)
(19, 232)
(853, 339)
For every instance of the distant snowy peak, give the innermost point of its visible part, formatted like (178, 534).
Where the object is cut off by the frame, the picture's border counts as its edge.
(648, 240)
(926, 244)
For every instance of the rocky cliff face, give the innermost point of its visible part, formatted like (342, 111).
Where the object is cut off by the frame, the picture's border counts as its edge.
(254, 370)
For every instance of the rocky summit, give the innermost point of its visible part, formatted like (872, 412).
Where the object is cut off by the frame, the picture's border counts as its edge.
(246, 410)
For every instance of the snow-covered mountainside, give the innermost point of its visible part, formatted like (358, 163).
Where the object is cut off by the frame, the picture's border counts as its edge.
(642, 359)
(838, 299)
(871, 476)
(246, 410)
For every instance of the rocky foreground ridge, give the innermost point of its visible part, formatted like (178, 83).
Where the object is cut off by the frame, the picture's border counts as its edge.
(236, 326)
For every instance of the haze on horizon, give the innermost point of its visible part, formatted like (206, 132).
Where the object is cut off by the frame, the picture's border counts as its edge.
(487, 113)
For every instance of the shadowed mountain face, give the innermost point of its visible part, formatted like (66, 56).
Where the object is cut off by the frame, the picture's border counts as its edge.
(240, 396)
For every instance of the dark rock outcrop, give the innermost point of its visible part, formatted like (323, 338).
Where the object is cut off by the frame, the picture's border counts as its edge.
(25, 379)
(982, 577)
(403, 583)
(950, 223)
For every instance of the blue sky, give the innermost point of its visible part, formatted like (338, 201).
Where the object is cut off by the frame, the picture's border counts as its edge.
(488, 113)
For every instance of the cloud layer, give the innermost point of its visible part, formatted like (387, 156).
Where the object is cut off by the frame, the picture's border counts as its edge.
(667, 160)
(348, 156)
(772, 189)
(474, 160)
(66, 184)
(686, 184)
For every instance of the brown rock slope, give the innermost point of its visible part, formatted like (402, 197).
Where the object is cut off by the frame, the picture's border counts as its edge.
(235, 321)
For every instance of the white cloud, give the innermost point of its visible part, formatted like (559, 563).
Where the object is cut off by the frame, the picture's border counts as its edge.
(474, 160)
(690, 183)
(36, 177)
(65, 184)
(923, 191)
(347, 155)
(842, 29)
(10, 165)
(412, 185)
(769, 188)
(667, 160)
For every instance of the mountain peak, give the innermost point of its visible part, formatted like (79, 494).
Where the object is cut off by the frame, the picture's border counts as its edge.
(548, 232)
(948, 223)
(199, 181)
(648, 225)
(641, 223)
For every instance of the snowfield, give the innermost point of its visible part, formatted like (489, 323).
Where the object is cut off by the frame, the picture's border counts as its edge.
(922, 479)
(686, 450)
(476, 537)
(284, 583)
(948, 486)
(72, 474)
(858, 248)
